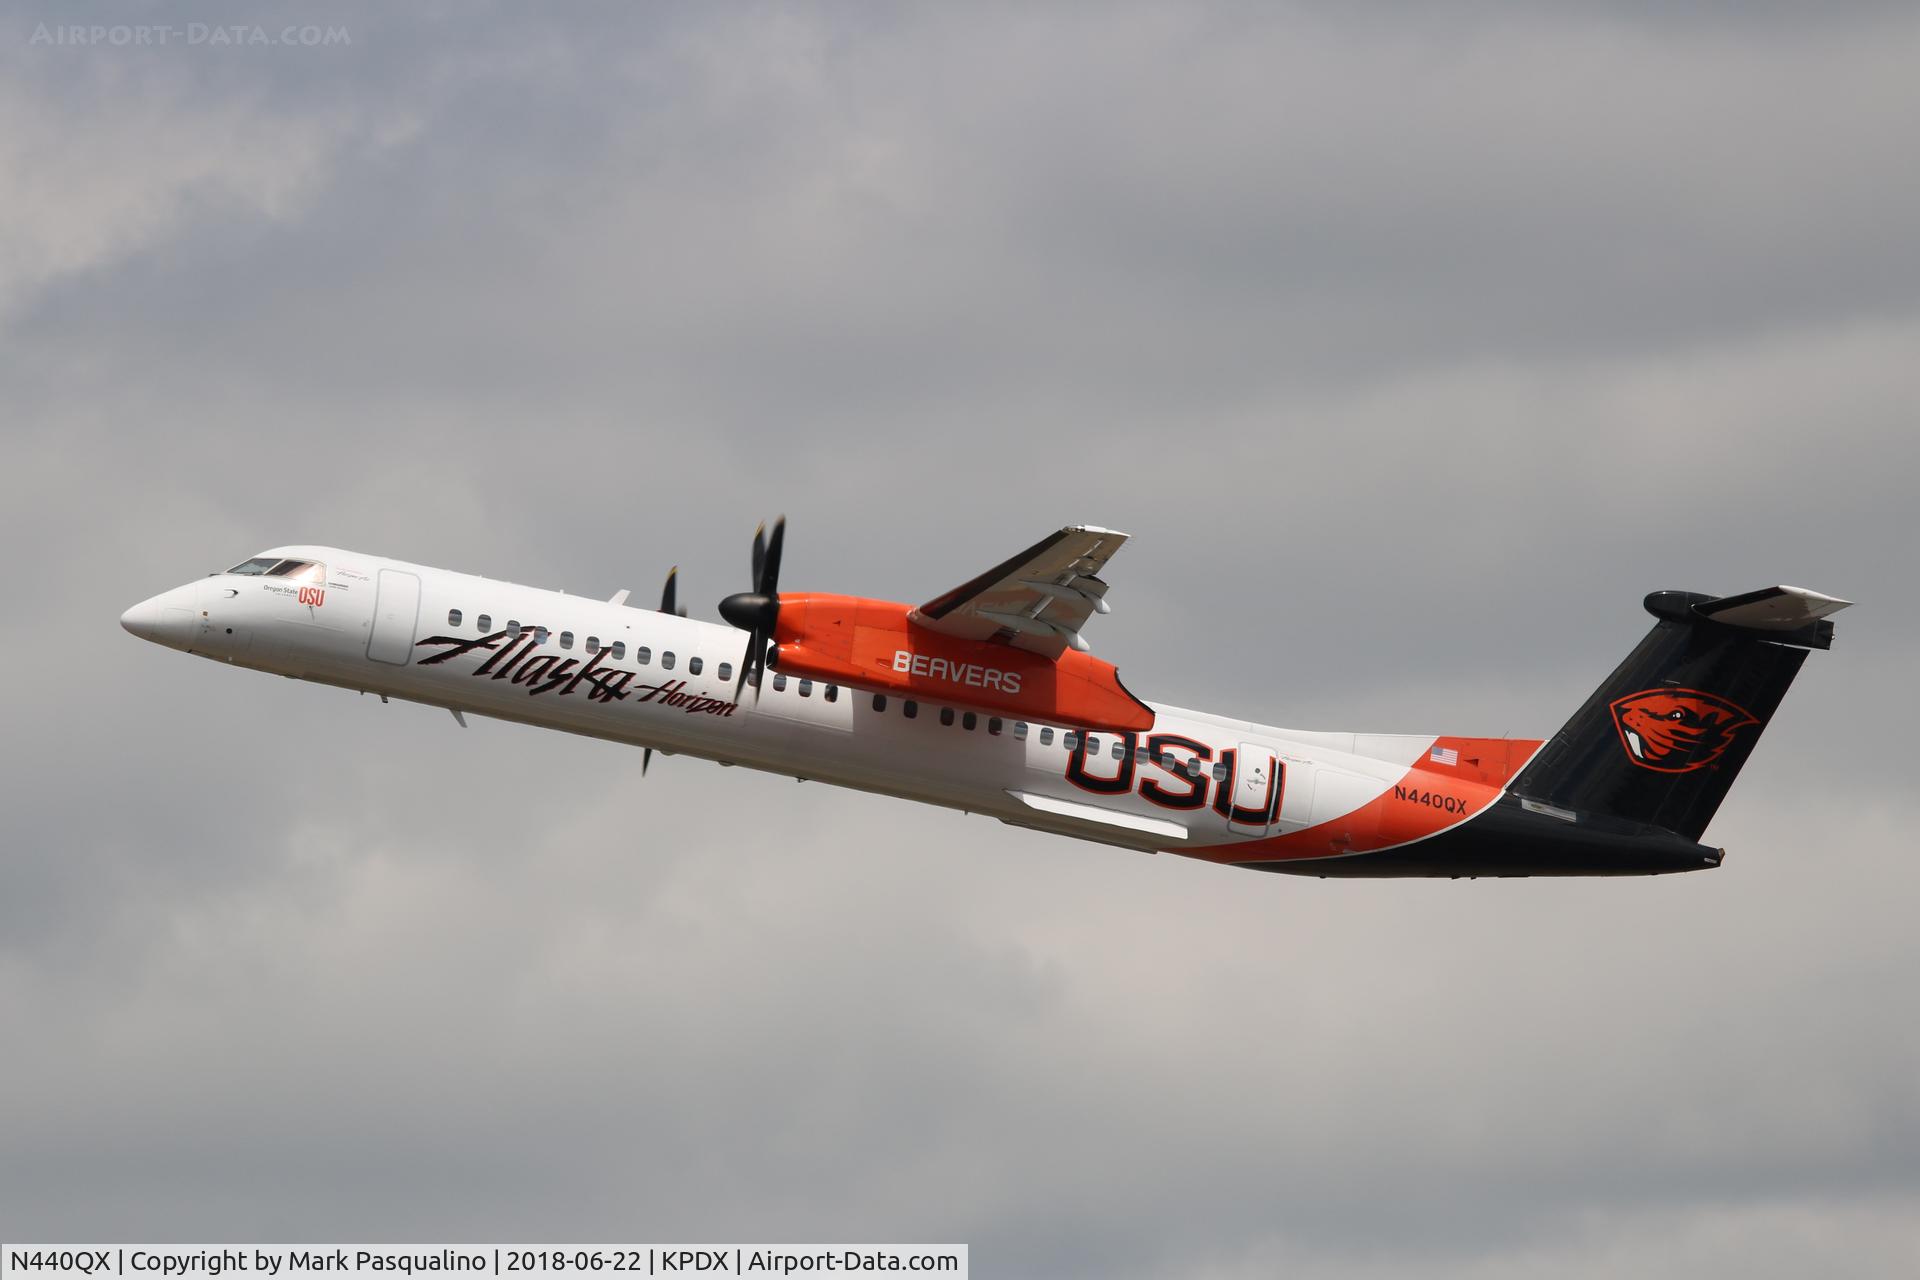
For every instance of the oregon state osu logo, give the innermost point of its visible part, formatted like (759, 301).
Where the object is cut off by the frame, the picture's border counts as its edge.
(1677, 730)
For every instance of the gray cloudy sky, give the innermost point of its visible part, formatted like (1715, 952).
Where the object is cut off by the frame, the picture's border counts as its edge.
(1412, 347)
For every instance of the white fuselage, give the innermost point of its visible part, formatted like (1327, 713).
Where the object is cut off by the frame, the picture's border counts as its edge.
(653, 679)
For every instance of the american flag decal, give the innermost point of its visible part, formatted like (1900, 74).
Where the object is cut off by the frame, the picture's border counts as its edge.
(1444, 755)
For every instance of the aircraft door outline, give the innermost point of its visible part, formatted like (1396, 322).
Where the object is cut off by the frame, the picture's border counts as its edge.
(396, 615)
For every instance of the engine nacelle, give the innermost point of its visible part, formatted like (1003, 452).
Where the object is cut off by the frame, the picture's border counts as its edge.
(872, 645)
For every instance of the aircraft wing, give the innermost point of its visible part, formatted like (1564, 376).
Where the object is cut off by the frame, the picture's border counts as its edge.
(1037, 601)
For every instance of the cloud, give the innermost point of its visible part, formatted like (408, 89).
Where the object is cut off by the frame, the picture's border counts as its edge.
(1411, 350)
(114, 166)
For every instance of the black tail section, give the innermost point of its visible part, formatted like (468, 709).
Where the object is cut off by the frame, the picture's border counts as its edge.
(1661, 739)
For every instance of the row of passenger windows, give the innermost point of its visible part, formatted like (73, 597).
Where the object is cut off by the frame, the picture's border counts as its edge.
(804, 687)
(642, 655)
(968, 720)
(1069, 738)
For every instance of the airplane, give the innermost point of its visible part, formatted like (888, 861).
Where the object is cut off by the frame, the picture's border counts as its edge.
(986, 699)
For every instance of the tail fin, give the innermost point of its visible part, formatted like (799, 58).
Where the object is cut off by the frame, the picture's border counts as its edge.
(1661, 739)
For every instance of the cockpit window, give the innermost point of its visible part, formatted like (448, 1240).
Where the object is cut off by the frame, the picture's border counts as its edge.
(259, 564)
(299, 571)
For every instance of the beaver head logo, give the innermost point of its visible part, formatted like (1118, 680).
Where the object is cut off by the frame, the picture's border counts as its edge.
(1677, 730)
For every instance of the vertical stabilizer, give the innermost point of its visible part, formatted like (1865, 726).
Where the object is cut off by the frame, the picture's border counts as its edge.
(1662, 738)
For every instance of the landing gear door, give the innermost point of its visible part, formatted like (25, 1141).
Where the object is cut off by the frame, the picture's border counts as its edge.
(1254, 788)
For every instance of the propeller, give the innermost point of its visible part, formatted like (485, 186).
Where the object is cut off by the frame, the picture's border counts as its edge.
(755, 612)
(669, 598)
(669, 603)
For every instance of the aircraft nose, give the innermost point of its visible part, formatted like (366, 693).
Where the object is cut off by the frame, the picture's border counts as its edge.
(143, 619)
(167, 618)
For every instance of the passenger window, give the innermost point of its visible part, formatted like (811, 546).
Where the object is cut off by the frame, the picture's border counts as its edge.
(1193, 769)
(909, 708)
(693, 665)
(1219, 770)
(453, 617)
(619, 650)
(806, 687)
(513, 628)
(666, 659)
(946, 715)
(725, 673)
(1020, 730)
(1070, 740)
(485, 623)
(1046, 735)
(779, 683)
(879, 702)
(642, 656)
(831, 693)
(993, 725)
(540, 635)
(1093, 745)
(593, 644)
(968, 721)
(1119, 750)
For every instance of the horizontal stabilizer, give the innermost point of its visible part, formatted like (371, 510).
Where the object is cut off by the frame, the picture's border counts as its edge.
(1771, 608)
(1783, 615)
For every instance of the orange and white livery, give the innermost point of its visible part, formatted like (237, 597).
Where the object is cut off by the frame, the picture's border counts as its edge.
(986, 698)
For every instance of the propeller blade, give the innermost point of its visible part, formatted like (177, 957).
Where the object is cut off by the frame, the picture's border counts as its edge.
(770, 584)
(646, 759)
(754, 646)
(669, 595)
(759, 553)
